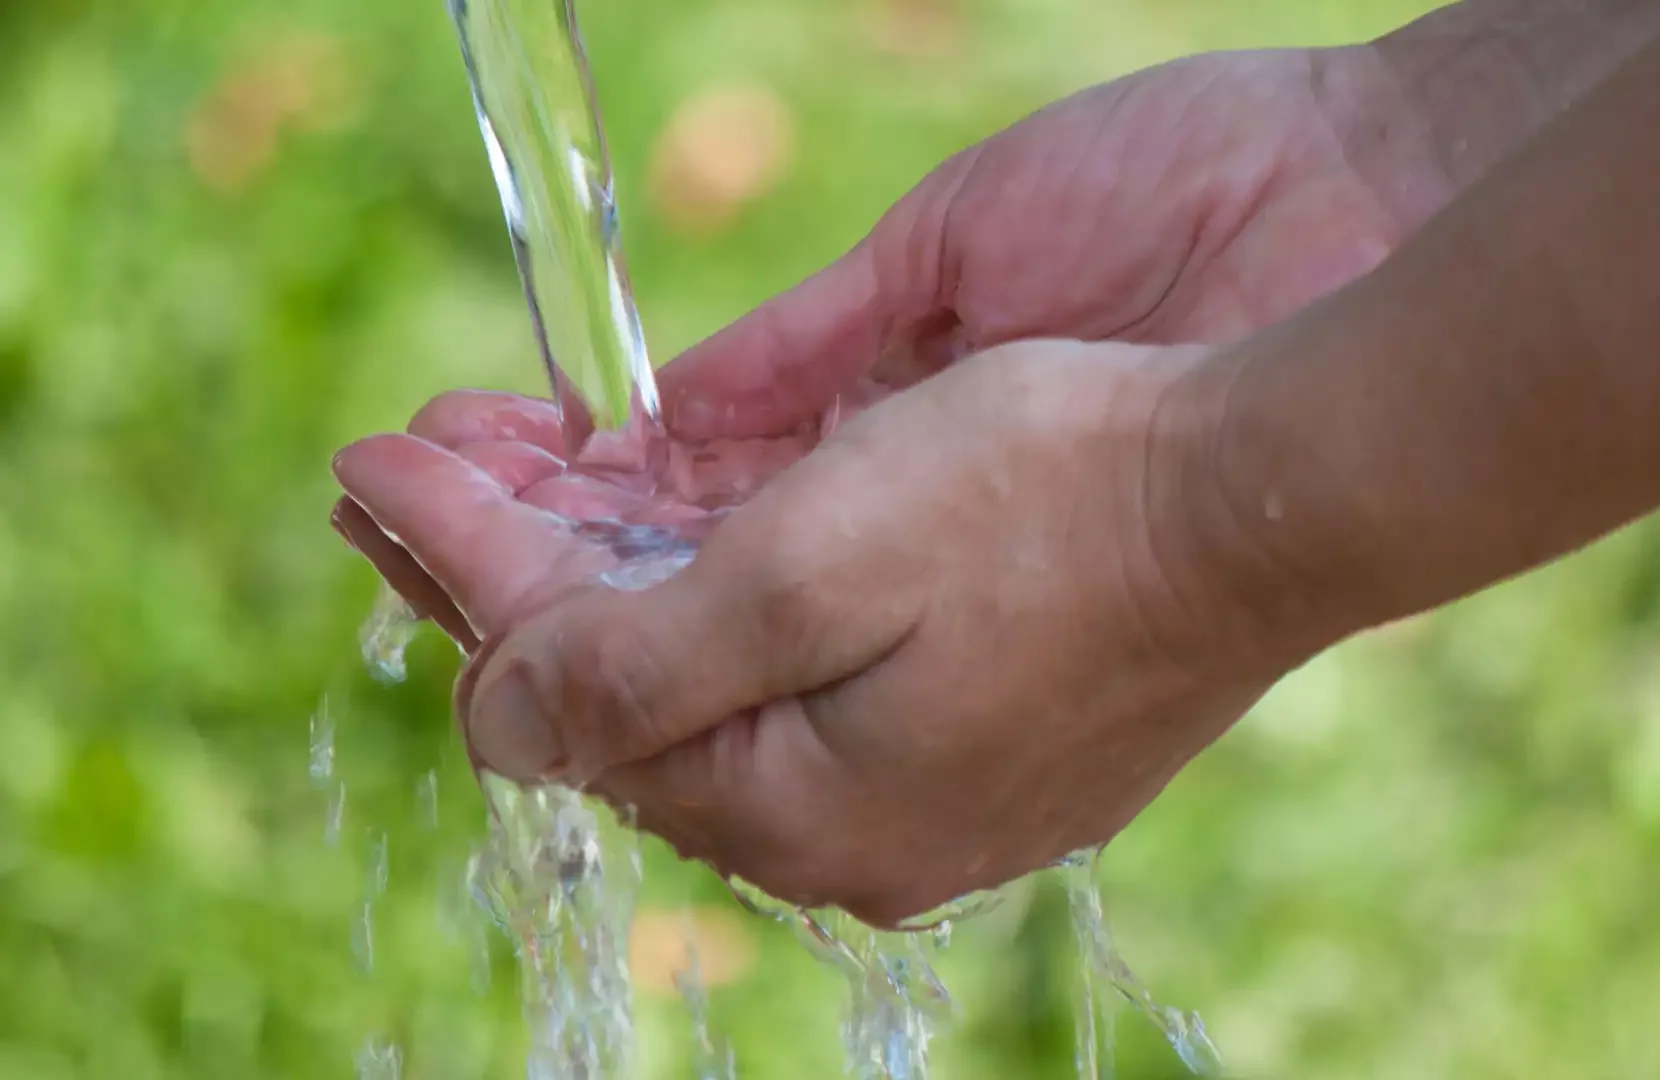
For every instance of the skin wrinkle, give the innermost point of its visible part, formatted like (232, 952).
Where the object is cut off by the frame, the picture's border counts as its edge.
(1148, 513)
(1132, 323)
(942, 285)
(1197, 248)
(1082, 193)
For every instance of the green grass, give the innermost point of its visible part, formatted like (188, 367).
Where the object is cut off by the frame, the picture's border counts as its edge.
(1430, 854)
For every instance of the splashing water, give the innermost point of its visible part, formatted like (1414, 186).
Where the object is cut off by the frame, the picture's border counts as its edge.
(897, 1001)
(711, 1056)
(374, 887)
(379, 1059)
(321, 769)
(386, 636)
(1099, 963)
(565, 897)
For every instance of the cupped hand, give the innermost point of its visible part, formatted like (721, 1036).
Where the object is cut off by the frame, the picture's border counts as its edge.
(485, 506)
(980, 626)
(1193, 202)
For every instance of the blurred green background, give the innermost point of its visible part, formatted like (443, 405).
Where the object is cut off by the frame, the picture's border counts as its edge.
(234, 236)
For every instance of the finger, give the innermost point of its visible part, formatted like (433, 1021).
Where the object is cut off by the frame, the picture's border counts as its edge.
(489, 552)
(459, 417)
(777, 603)
(516, 466)
(783, 364)
(400, 570)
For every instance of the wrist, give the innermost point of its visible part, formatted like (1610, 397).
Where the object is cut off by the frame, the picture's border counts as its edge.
(1289, 459)
(1482, 402)
(1241, 543)
(1482, 76)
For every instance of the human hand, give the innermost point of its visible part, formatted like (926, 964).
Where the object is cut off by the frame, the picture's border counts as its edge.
(508, 490)
(1190, 202)
(1193, 202)
(979, 627)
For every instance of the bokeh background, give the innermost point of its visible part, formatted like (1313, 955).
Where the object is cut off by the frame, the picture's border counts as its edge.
(234, 236)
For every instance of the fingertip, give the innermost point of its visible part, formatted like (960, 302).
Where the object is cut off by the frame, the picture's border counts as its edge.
(337, 521)
(385, 468)
(371, 455)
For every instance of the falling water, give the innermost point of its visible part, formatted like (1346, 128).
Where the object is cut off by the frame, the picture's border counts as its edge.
(386, 635)
(536, 109)
(379, 1060)
(1104, 978)
(556, 880)
(533, 95)
(711, 1055)
(321, 769)
(562, 890)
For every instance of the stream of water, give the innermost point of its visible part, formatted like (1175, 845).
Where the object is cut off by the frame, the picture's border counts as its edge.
(553, 874)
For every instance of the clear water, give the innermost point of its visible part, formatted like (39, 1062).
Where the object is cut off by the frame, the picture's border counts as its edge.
(562, 889)
(896, 1001)
(534, 97)
(554, 875)
(712, 1057)
(386, 636)
(321, 769)
(1104, 980)
(379, 1059)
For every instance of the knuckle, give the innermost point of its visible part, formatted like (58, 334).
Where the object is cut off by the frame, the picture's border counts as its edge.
(618, 677)
(789, 589)
(785, 599)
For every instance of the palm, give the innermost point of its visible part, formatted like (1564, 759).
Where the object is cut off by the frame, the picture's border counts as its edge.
(1195, 202)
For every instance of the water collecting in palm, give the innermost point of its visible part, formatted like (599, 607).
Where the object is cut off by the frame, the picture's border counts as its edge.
(557, 874)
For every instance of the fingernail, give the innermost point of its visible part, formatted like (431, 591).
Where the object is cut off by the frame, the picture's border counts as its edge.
(508, 730)
(339, 526)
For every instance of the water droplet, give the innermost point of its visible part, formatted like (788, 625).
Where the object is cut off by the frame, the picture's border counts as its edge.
(426, 798)
(712, 1057)
(386, 636)
(321, 765)
(378, 868)
(1102, 969)
(363, 938)
(334, 818)
(379, 1059)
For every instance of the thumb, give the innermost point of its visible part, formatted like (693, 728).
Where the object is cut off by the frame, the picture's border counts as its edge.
(769, 610)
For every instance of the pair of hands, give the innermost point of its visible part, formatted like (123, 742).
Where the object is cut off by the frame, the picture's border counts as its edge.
(985, 620)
